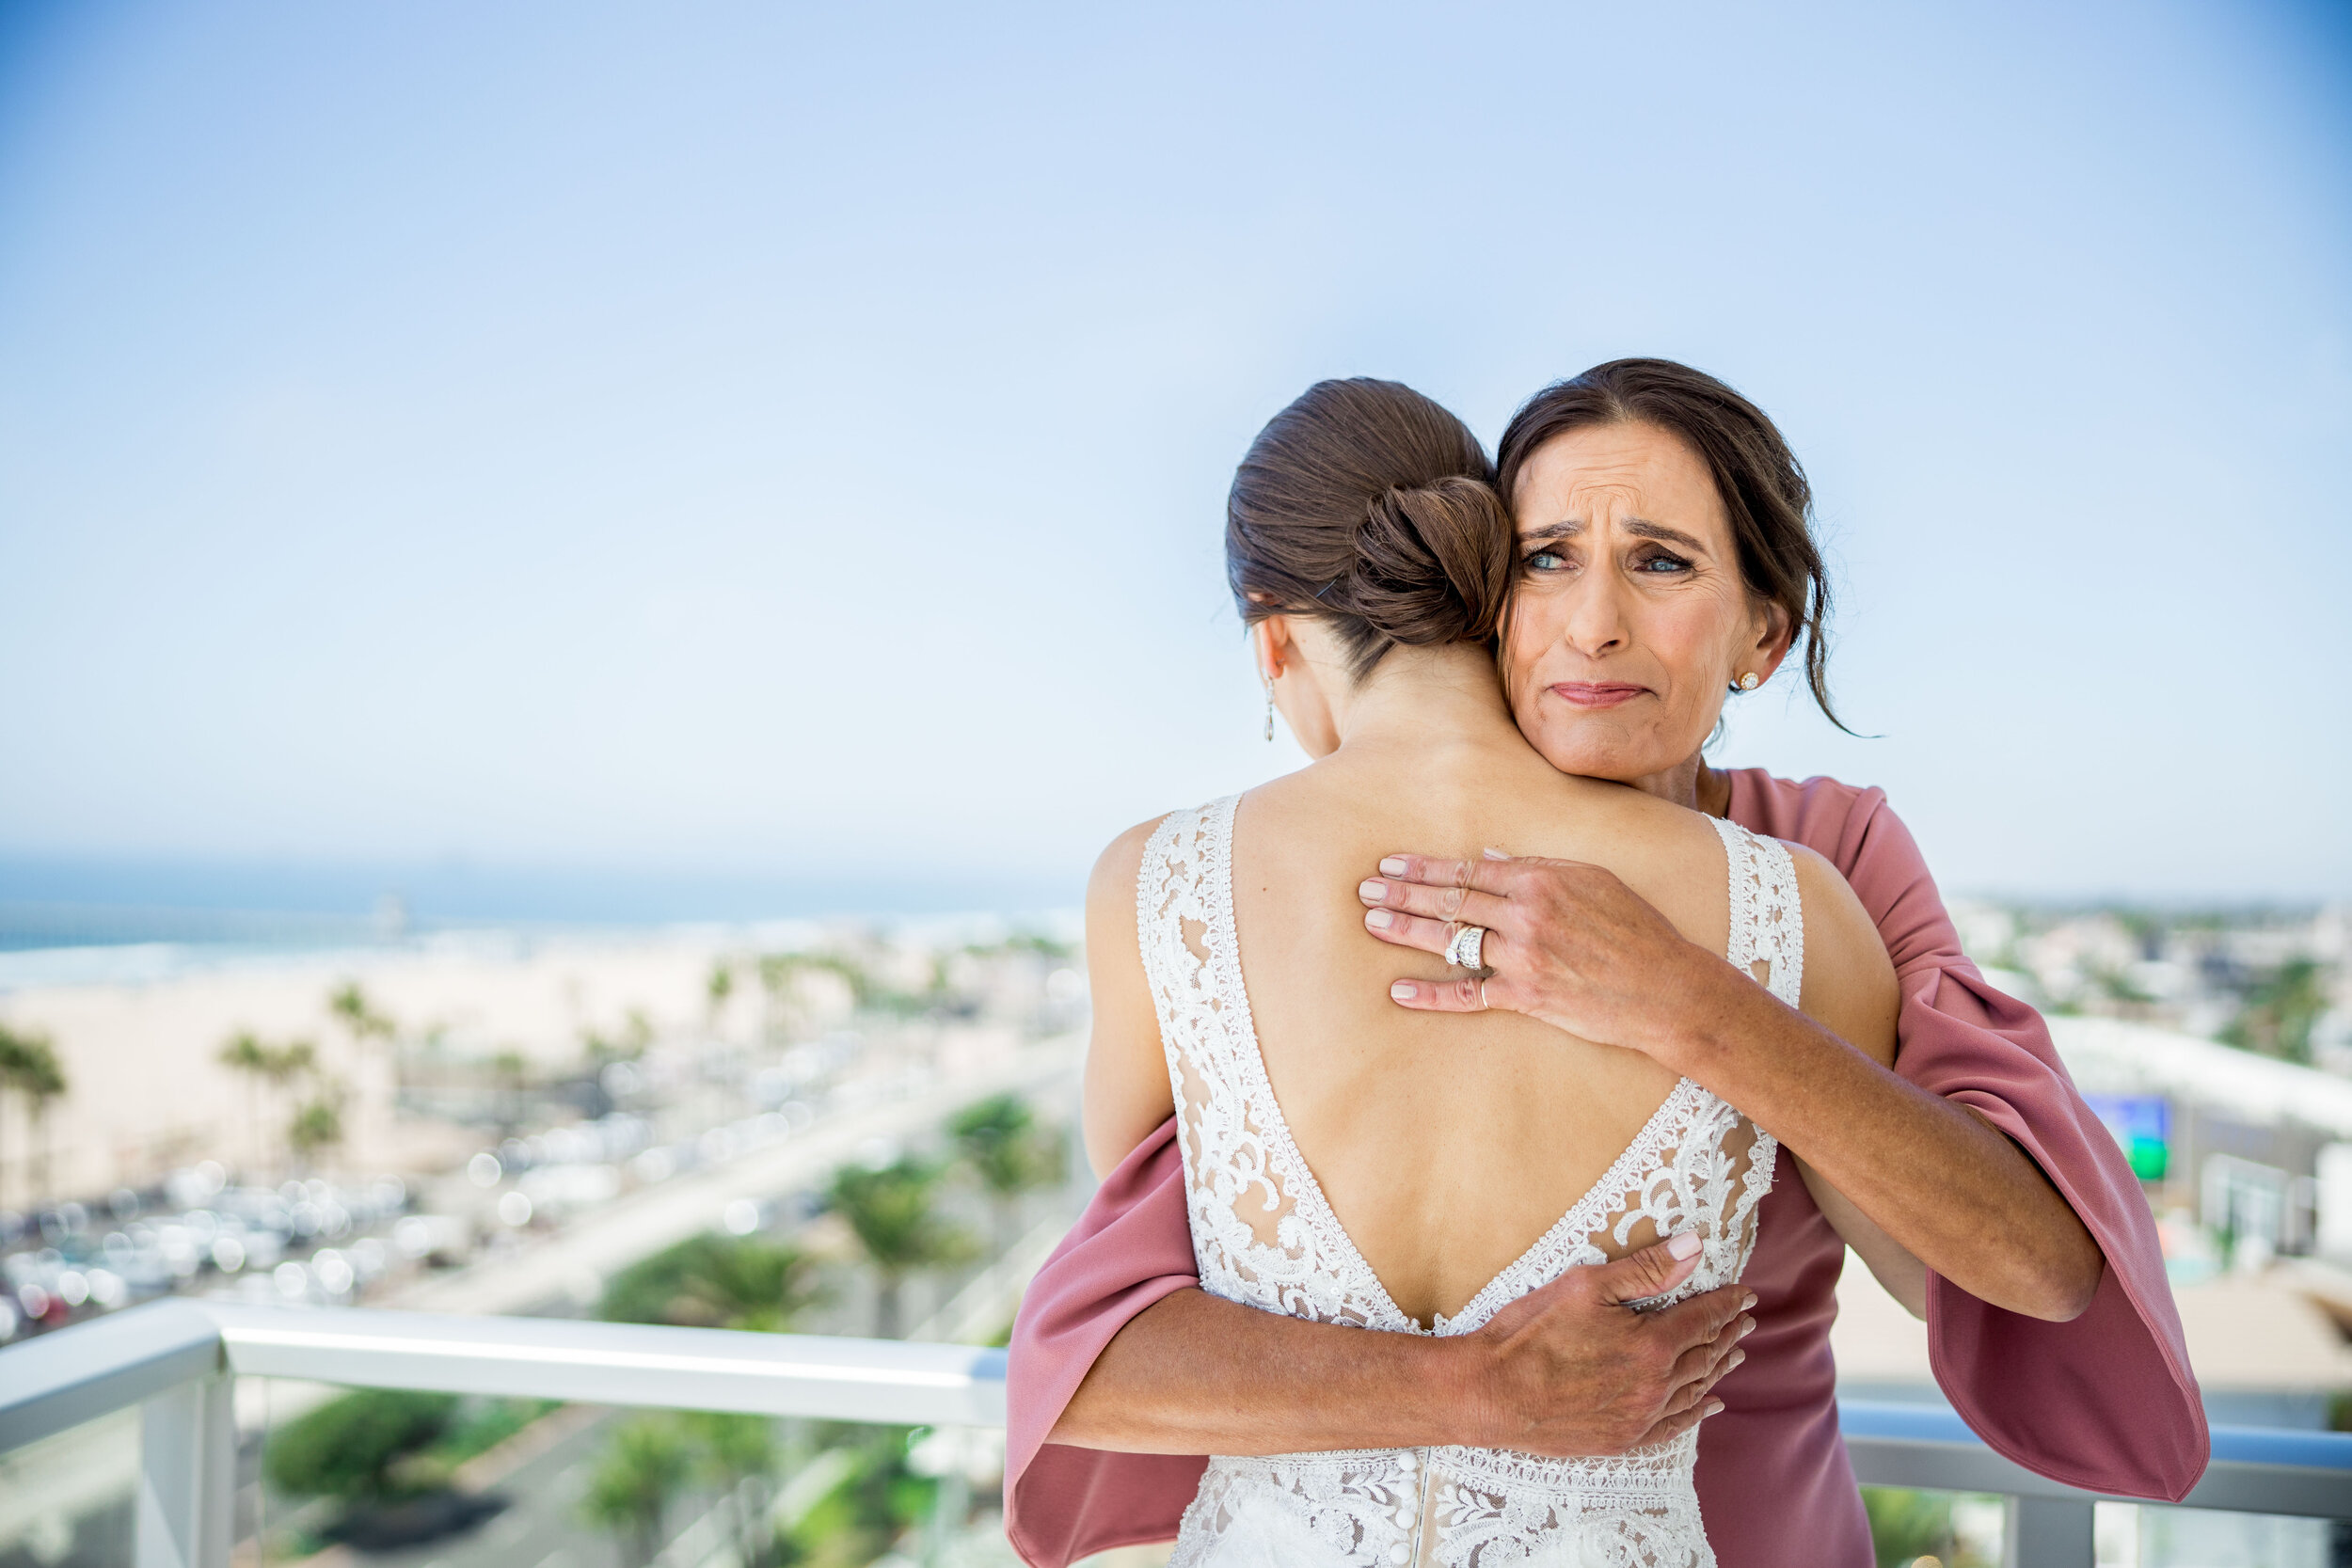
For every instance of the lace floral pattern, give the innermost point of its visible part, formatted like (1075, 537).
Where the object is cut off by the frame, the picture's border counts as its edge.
(1263, 1234)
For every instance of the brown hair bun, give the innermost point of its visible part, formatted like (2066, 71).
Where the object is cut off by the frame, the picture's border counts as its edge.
(1368, 505)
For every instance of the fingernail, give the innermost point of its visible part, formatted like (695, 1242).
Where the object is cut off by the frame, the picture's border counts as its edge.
(1401, 991)
(1747, 1326)
(1490, 854)
(1685, 1246)
(1748, 1302)
(1372, 893)
(1380, 920)
(1392, 866)
(1736, 1358)
(1714, 1407)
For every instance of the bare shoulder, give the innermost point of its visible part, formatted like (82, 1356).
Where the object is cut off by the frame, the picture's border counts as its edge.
(1849, 980)
(1117, 867)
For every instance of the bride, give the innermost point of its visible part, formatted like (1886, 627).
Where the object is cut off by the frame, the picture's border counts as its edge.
(1415, 1172)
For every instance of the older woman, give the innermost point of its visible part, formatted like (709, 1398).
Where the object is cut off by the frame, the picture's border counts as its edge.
(1666, 562)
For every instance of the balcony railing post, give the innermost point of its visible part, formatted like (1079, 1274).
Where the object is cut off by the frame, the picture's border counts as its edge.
(2048, 1533)
(187, 1475)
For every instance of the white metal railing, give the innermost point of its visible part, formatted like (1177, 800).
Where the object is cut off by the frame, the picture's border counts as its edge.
(175, 1361)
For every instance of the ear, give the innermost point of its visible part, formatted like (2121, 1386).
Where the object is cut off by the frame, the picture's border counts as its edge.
(1776, 633)
(1274, 645)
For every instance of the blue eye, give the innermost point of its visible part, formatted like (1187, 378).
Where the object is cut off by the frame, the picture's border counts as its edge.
(1660, 564)
(1546, 560)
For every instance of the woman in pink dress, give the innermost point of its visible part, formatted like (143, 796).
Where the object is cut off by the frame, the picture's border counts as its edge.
(2051, 1328)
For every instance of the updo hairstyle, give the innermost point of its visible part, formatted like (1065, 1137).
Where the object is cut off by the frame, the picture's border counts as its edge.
(1762, 484)
(1370, 507)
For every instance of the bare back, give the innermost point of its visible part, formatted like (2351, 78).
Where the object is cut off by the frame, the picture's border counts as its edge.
(1412, 1120)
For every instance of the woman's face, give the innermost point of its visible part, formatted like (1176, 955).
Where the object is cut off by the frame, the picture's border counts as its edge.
(1630, 620)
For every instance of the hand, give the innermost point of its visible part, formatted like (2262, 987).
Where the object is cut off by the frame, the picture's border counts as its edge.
(1569, 1372)
(1566, 942)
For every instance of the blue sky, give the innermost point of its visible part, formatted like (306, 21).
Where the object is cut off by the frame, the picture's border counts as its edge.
(790, 442)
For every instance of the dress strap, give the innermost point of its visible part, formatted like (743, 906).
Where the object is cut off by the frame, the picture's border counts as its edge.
(1767, 910)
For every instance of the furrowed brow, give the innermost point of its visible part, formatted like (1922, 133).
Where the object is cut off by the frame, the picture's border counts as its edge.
(1648, 529)
(1641, 527)
(1568, 529)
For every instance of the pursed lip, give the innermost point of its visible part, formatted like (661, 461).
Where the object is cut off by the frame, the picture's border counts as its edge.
(1597, 693)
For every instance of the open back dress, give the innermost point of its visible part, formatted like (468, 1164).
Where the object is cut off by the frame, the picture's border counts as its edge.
(1263, 1234)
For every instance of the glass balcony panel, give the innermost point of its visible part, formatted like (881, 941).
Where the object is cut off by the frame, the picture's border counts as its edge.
(2151, 1535)
(409, 1478)
(71, 1501)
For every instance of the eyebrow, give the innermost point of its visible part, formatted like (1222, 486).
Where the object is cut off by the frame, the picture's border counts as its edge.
(1641, 527)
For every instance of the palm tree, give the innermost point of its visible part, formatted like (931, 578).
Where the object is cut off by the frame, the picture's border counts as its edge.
(893, 1212)
(720, 986)
(712, 1282)
(276, 1067)
(1001, 1142)
(34, 1073)
(630, 1490)
(350, 1004)
(28, 1065)
(371, 1031)
(738, 1454)
(318, 1122)
(513, 1071)
(245, 1054)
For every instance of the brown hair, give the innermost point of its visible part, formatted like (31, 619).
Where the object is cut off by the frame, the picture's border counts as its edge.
(1762, 484)
(1371, 507)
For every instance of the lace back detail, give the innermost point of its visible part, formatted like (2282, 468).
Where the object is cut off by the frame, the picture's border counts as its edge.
(1263, 1234)
(1246, 1181)
(1766, 913)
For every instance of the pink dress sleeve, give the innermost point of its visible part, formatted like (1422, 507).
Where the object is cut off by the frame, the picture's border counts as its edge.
(1132, 1247)
(2107, 1401)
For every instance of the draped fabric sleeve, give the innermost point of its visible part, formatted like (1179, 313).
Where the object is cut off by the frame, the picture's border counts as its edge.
(1131, 1248)
(2108, 1400)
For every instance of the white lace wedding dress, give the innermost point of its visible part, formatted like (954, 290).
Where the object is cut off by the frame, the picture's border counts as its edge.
(1263, 1234)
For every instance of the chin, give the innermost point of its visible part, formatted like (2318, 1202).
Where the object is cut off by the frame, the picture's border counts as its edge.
(1591, 757)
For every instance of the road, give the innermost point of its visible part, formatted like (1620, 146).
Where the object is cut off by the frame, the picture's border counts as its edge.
(575, 1263)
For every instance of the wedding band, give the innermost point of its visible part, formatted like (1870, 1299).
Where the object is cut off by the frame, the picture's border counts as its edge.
(1468, 948)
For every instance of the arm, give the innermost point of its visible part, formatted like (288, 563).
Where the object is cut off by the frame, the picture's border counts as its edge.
(1575, 946)
(1565, 1370)
(1126, 1093)
(1850, 991)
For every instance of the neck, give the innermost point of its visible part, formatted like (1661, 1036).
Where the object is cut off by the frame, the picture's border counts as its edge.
(1691, 784)
(1421, 697)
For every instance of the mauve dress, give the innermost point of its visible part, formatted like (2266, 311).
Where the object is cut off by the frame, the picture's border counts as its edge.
(2107, 1401)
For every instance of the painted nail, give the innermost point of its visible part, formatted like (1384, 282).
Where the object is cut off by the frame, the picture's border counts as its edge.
(1685, 1246)
(1372, 893)
(1747, 1303)
(1392, 866)
(1380, 920)
(1496, 855)
(1401, 991)
(1736, 1356)
(1714, 1407)
(1747, 1326)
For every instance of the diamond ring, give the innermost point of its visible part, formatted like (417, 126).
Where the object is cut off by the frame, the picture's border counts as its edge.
(1468, 948)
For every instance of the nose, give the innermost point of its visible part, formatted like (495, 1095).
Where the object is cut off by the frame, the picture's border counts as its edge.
(1595, 624)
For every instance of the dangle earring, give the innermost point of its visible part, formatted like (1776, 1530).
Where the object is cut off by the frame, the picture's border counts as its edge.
(1270, 712)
